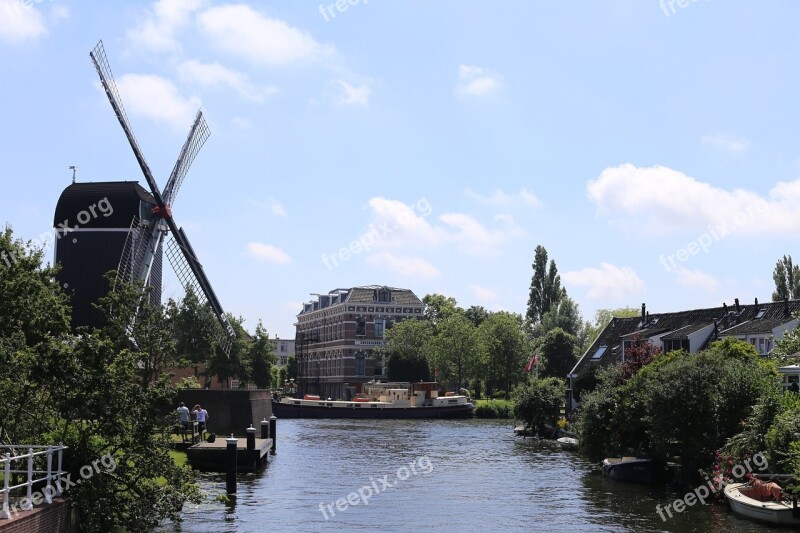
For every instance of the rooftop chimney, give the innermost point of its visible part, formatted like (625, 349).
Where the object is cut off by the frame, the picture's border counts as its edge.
(756, 302)
(644, 314)
(737, 306)
(786, 307)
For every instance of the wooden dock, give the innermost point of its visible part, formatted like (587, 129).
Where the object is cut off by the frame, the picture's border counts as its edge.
(210, 456)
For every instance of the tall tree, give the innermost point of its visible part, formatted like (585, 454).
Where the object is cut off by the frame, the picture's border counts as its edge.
(476, 314)
(787, 280)
(193, 331)
(87, 391)
(456, 350)
(558, 353)
(507, 350)
(262, 357)
(408, 345)
(545, 290)
(438, 307)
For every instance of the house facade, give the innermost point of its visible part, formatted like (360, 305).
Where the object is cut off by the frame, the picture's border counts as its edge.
(760, 324)
(339, 334)
(284, 348)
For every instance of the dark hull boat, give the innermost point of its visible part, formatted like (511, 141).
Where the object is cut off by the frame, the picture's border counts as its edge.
(381, 400)
(633, 470)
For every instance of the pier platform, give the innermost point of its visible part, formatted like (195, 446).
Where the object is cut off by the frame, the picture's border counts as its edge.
(210, 456)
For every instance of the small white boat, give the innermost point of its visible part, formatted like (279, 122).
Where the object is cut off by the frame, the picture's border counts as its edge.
(744, 502)
(568, 443)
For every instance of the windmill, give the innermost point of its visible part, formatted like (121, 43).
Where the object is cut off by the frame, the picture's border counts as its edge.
(147, 234)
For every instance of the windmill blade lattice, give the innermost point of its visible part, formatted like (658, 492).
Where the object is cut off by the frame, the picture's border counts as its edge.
(180, 264)
(196, 139)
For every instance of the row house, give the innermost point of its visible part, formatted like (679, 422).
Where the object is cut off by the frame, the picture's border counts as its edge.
(760, 324)
(339, 336)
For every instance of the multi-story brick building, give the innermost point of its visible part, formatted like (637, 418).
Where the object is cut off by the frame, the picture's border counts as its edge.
(337, 335)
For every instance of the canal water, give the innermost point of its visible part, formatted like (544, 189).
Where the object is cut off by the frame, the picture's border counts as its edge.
(470, 475)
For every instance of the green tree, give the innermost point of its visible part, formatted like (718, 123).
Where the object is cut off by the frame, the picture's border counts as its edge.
(194, 331)
(538, 402)
(407, 346)
(507, 349)
(545, 290)
(456, 350)
(438, 307)
(236, 364)
(787, 280)
(87, 391)
(262, 357)
(557, 351)
(476, 314)
(291, 367)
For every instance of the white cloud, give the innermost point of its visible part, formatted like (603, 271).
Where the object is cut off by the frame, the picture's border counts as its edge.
(482, 293)
(398, 225)
(661, 200)
(247, 33)
(352, 95)
(477, 81)
(20, 22)
(726, 142)
(157, 98)
(696, 278)
(157, 30)
(267, 252)
(272, 205)
(607, 282)
(406, 266)
(60, 12)
(501, 198)
(210, 74)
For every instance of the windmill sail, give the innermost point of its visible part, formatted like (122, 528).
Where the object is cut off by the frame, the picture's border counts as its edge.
(145, 239)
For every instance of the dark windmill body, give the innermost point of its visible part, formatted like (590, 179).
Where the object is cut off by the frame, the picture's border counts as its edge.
(92, 223)
(132, 238)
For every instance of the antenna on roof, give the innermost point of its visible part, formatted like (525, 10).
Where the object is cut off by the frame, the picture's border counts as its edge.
(73, 168)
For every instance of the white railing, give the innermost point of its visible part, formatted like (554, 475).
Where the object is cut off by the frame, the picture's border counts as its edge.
(51, 475)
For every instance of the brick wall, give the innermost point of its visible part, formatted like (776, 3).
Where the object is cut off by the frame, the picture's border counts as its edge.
(52, 518)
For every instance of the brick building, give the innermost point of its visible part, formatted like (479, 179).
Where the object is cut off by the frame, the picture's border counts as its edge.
(337, 335)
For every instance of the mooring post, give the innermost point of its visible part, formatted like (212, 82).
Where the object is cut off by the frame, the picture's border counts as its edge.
(251, 438)
(264, 428)
(230, 456)
(273, 432)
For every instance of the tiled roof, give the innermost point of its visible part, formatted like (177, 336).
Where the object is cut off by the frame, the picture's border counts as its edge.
(367, 294)
(680, 324)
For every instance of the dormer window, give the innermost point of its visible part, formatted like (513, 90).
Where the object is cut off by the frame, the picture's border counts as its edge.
(761, 312)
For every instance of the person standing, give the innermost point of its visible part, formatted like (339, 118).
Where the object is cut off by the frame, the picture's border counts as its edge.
(183, 416)
(202, 418)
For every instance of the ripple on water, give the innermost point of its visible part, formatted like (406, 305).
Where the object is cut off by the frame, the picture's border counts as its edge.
(483, 478)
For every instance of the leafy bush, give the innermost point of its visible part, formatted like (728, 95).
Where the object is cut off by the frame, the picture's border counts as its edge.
(681, 404)
(499, 395)
(539, 401)
(494, 409)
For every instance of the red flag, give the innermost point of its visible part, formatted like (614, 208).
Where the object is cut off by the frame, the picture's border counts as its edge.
(532, 363)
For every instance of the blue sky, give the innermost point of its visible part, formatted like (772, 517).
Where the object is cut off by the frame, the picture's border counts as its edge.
(651, 147)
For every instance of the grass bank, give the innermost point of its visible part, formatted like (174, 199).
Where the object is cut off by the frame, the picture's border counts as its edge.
(494, 409)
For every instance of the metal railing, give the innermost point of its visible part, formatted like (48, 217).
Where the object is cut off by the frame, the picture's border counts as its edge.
(51, 475)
